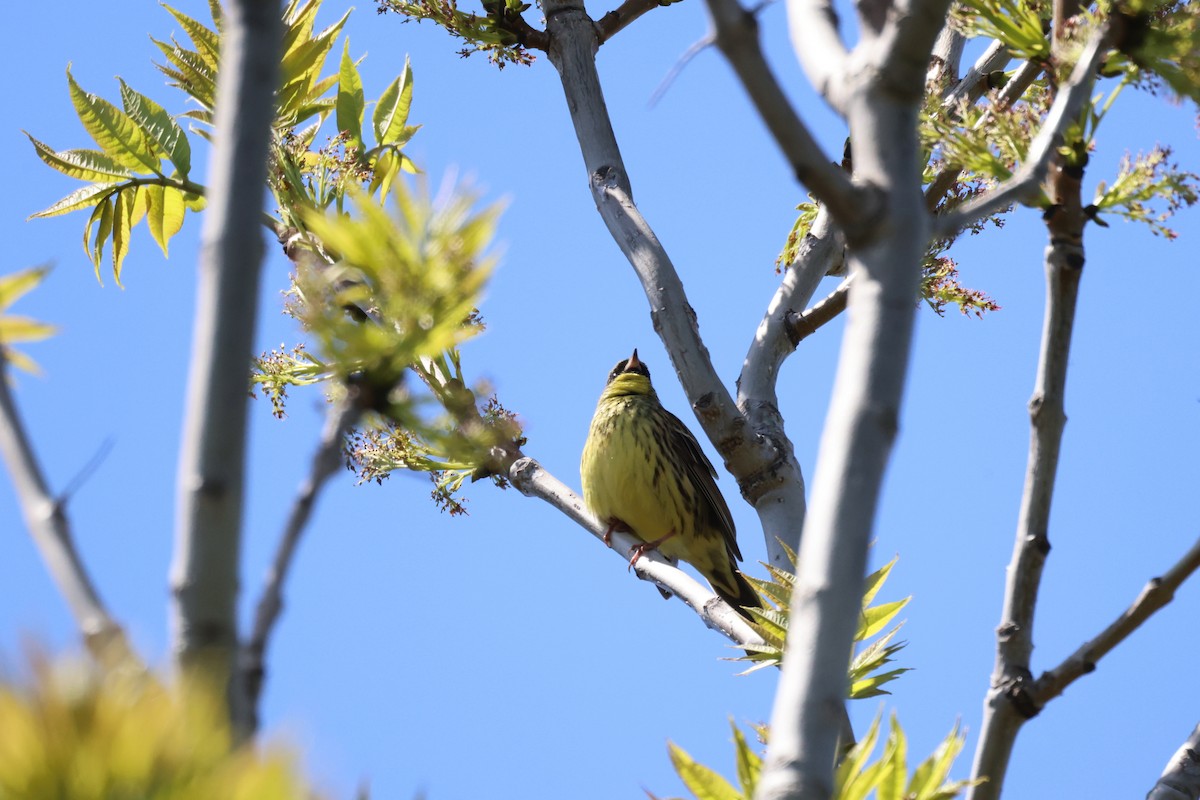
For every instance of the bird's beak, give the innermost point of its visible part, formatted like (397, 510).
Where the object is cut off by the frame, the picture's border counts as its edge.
(633, 362)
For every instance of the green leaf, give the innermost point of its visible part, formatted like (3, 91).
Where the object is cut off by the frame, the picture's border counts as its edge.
(189, 72)
(113, 130)
(121, 230)
(350, 104)
(208, 42)
(749, 764)
(701, 781)
(105, 210)
(895, 764)
(24, 329)
(80, 198)
(876, 618)
(301, 66)
(876, 580)
(165, 216)
(299, 24)
(160, 127)
(391, 110)
(13, 287)
(86, 165)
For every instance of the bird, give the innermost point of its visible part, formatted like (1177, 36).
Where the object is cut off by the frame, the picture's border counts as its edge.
(643, 472)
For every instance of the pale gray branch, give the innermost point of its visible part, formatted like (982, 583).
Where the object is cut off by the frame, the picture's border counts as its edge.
(1181, 778)
(737, 38)
(1024, 183)
(204, 570)
(819, 253)
(855, 446)
(46, 519)
(975, 82)
(532, 480)
(813, 27)
(1154, 595)
(1010, 701)
(341, 417)
(751, 459)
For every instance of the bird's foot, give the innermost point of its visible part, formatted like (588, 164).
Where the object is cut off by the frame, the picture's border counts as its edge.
(640, 550)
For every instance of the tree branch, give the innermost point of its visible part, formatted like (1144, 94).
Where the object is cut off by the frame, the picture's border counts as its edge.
(340, 418)
(1156, 594)
(1024, 183)
(820, 251)
(803, 325)
(1010, 700)
(737, 37)
(46, 518)
(621, 17)
(204, 571)
(855, 447)
(813, 26)
(532, 480)
(751, 459)
(1181, 778)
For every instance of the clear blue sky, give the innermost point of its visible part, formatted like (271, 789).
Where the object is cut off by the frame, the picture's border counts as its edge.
(507, 655)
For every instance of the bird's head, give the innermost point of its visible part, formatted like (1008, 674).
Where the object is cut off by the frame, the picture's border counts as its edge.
(629, 376)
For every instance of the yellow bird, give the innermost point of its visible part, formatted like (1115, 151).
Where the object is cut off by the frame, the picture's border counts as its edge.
(644, 472)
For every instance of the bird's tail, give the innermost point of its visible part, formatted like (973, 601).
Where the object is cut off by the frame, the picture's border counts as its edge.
(735, 590)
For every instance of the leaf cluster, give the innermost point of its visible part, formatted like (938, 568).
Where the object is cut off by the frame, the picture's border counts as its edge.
(866, 674)
(18, 328)
(78, 734)
(1149, 188)
(857, 775)
(499, 33)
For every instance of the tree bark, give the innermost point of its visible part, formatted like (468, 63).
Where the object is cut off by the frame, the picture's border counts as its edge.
(204, 570)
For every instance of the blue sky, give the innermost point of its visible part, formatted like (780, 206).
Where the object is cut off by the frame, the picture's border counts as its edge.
(507, 654)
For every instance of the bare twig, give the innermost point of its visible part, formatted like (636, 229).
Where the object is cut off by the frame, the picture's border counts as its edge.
(1011, 699)
(86, 471)
(737, 37)
(620, 17)
(531, 479)
(47, 521)
(803, 325)
(341, 417)
(694, 49)
(1154, 595)
(1025, 181)
(1181, 779)
(204, 571)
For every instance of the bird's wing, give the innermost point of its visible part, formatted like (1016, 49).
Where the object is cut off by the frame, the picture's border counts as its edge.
(701, 472)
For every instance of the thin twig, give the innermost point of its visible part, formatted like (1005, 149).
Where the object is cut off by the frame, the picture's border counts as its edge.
(808, 322)
(341, 417)
(693, 50)
(86, 471)
(1154, 595)
(1011, 699)
(50, 529)
(532, 480)
(620, 17)
(1028, 177)
(737, 37)
(1181, 778)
